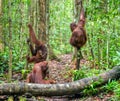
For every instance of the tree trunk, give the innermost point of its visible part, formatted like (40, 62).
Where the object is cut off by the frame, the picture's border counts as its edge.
(1, 35)
(10, 43)
(32, 12)
(42, 21)
(58, 89)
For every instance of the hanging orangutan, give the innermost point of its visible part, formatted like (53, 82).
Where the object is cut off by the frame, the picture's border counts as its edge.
(39, 52)
(38, 74)
(78, 38)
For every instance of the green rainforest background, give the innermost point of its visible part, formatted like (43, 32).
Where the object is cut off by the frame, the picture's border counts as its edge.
(102, 50)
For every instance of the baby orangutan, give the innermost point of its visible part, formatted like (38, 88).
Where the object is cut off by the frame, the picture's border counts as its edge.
(39, 73)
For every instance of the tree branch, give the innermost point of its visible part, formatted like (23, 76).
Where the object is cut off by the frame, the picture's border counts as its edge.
(58, 89)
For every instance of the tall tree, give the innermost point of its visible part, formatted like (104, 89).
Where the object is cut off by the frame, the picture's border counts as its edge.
(42, 21)
(43, 28)
(51, 54)
(10, 41)
(1, 45)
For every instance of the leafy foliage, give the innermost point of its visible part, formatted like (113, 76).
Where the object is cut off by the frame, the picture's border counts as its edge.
(113, 86)
(18, 31)
(102, 29)
(78, 74)
(3, 62)
(60, 18)
(102, 26)
(4, 57)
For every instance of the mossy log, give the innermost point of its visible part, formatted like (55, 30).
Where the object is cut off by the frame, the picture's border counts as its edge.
(58, 89)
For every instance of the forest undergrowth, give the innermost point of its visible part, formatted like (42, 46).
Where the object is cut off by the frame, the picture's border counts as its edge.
(63, 71)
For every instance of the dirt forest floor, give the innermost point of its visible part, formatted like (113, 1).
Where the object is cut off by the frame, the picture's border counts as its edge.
(59, 69)
(60, 72)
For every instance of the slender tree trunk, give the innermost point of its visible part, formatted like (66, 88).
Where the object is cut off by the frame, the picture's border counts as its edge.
(78, 59)
(98, 40)
(10, 42)
(47, 27)
(107, 52)
(106, 9)
(1, 34)
(37, 16)
(21, 29)
(90, 46)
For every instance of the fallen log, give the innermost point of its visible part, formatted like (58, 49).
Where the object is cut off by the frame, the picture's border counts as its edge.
(58, 89)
